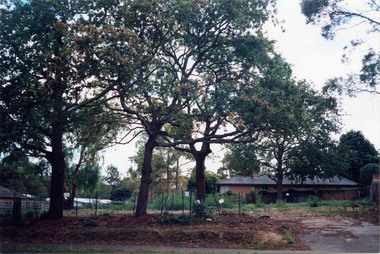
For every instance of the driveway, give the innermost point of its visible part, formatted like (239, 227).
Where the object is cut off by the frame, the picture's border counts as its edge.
(337, 236)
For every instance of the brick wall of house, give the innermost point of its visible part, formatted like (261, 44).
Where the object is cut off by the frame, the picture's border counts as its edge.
(244, 189)
(339, 195)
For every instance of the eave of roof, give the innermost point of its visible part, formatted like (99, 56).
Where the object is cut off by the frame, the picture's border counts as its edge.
(265, 180)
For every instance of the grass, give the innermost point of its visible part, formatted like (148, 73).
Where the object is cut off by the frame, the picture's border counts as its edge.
(12, 248)
(288, 237)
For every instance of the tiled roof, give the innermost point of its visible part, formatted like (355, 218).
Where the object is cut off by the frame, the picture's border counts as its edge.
(7, 193)
(265, 180)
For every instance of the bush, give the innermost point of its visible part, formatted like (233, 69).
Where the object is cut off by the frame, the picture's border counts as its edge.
(6, 213)
(121, 194)
(202, 211)
(170, 219)
(44, 215)
(30, 214)
(313, 201)
(90, 222)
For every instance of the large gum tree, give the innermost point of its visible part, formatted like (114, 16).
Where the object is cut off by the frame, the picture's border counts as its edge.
(49, 70)
(185, 49)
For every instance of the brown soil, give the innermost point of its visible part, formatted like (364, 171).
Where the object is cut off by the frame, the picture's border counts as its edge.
(259, 230)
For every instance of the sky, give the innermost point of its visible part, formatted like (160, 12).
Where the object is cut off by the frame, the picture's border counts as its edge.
(314, 59)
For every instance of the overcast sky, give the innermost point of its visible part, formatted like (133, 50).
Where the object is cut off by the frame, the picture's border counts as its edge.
(313, 58)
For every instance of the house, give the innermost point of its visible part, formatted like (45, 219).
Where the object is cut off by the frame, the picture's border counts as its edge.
(7, 197)
(336, 188)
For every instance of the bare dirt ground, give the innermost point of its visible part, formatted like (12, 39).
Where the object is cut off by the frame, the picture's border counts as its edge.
(294, 229)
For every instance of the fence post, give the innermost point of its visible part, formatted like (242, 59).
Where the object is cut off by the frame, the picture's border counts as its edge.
(217, 205)
(16, 208)
(191, 193)
(96, 203)
(239, 201)
(162, 202)
(134, 205)
(172, 199)
(183, 204)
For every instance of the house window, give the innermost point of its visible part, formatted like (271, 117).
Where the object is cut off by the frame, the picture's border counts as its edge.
(223, 189)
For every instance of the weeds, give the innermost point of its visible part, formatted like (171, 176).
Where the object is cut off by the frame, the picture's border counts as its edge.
(288, 237)
(170, 219)
(90, 222)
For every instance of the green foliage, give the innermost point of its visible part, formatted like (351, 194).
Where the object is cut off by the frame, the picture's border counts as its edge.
(288, 237)
(6, 213)
(210, 179)
(30, 214)
(367, 172)
(51, 83)
(203, 211)
(44, 215)
(103, 190)
(241, 160)
(313, 201)
(358, 152)
(90, 222)
(112, 176)
(335, 15)
(121, 194)
(170, 219)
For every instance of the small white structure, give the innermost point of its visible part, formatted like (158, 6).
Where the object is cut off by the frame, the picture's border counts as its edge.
(87, 201)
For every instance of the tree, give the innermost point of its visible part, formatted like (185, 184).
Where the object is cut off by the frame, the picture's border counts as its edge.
(179, 44)
(337, 15)
(358, 152)
(88, 180)
(18, 173)
(237, 61)
(241, 160)
(120, 194)
(50, 68)
(367, 172)
(299, 116)
(104, 190)
(210, 182)
(112, 177)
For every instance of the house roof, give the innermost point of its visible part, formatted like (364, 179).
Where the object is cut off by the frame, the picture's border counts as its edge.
(265, 180)
(8, 193)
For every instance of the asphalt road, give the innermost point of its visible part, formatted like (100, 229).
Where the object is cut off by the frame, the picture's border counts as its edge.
(343, 236)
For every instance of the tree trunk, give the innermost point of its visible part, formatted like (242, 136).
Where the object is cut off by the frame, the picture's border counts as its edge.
(280, 178)
(168, 173)
(57, 161)
(177, 175)
(146, 180)
(69, 203)
(200, 158)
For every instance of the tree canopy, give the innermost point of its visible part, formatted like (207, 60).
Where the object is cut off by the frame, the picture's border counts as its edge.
(49, 72)
(338, 15)
(357, 152)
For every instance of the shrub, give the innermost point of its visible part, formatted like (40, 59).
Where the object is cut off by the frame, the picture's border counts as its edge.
(281, 205)
(170, 219)
(288, 237)
(90, 222)
(30, 214)
(202, 211)
(313, 201)
(44, 215)
(6, 213)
